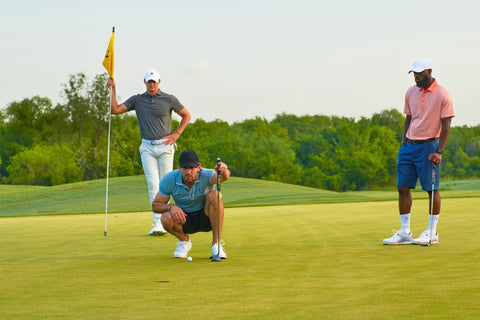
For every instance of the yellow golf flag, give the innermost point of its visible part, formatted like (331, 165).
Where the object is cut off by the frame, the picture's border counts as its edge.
(108, 62)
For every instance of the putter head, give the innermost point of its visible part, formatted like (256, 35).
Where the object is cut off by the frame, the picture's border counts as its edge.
(426, 245)
(216, 258)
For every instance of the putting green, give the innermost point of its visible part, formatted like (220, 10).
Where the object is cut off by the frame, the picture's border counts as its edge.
(316, 261)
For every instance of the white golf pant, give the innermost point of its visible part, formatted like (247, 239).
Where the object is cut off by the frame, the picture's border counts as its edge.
(157, 160)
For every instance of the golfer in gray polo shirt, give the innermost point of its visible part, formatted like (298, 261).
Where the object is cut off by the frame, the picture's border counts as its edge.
(154, 115)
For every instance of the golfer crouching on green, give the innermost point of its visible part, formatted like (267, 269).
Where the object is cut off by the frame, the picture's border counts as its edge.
(196, 208)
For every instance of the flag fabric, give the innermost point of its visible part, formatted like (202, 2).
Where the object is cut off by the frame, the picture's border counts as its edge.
(108, 62)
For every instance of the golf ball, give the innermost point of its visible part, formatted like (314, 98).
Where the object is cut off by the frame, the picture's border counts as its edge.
(189, 259)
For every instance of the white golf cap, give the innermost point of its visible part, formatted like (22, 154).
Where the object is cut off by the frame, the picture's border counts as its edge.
(152, 74)
(421, 64)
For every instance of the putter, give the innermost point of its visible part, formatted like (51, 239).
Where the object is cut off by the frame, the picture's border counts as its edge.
(434, 171)
(216, 258)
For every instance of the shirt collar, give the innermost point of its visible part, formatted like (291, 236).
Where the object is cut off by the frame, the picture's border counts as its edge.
(431, 88)
(158, 94)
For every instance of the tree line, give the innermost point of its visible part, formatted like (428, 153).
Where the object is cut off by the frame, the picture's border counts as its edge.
(42, 144)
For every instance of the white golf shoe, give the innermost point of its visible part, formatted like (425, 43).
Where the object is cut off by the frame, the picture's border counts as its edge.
(424, 238)
(183, 247)
(223, 255)
(399, 237)
(158, 229)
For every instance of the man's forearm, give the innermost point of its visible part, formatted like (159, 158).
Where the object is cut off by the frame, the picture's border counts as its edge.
(406, 126)
(158, 207)
(113, 101)
(444, 133)
(184, 122)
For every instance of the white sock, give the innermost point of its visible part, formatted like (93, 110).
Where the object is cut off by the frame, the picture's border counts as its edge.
(432, 222)
(405, 223)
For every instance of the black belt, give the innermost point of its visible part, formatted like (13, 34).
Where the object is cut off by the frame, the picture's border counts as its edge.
(421, 141)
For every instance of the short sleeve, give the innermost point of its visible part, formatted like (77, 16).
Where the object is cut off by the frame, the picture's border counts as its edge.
(167, 184)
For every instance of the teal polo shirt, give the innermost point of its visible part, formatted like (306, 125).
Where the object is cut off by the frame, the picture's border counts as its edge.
(189, 200)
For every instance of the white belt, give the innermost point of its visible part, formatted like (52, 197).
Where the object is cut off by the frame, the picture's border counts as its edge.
(162, 141)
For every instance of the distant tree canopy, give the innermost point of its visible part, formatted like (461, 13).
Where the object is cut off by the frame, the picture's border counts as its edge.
(42, 144)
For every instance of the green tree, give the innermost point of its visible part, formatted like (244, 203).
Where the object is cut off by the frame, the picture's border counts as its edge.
(45, 165)
(341, 154)
(473, 167)
(22, 125)
(335, 153)
(125, 140)
(391, 119)
(87, 107)
(263, 151)
(209, 139)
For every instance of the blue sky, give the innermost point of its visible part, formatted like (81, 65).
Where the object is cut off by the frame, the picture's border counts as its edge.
(234, 60)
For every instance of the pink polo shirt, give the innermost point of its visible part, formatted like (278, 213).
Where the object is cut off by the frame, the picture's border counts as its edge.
(427, 108)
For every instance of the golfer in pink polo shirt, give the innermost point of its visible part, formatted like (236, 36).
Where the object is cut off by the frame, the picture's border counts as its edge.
(429, 111)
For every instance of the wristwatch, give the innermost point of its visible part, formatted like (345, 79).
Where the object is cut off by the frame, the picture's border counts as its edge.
(439, 150)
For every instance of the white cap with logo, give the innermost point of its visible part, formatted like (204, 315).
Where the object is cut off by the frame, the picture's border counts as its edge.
(421, 64)
(152, 74)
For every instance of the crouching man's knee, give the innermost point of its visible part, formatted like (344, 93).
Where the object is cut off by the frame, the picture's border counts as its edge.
(212, 196)
(167, 219)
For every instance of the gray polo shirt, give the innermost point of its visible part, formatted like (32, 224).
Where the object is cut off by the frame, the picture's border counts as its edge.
(154, 114)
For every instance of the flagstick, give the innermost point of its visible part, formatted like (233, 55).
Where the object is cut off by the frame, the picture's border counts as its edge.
(108, 64)
(108, 162)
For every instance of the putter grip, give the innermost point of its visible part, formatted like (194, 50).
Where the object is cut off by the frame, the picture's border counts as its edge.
(218, 174)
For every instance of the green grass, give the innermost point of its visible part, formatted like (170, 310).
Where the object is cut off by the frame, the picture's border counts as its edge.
(314, 261)
(128, 194)
(125, 194)
(320, 258)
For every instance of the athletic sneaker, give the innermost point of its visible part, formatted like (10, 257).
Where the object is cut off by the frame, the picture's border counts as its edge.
(183, 247)
(425, 238)
(158, 229)
(399, 237)
(223, 255)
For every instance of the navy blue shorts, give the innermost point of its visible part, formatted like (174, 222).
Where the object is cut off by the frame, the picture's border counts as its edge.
(197, 222)
(413, 164)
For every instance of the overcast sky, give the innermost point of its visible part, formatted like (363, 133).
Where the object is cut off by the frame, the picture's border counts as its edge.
(234, 60)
